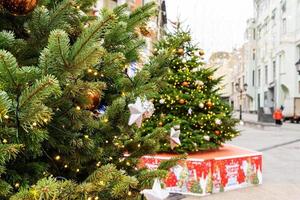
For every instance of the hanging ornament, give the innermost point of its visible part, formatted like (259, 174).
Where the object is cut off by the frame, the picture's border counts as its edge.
(182, 101)
(217, 132)
(144, 31)
(100, 110)
(156, 193)
(140, 110)
(174, 136)
(190, 111)
(180, 51)
(162, 101)
(149, 108)
(218, 121)
(185, 84)
(201, 105)
(209, 104)
(19, 7)
(201, 52)
(160, 123)
(199, 83)
(94, 99)
(206, 137)
(132, 69)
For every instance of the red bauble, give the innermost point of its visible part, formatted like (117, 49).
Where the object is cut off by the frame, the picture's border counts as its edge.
(94, 99)
(19, 7)
(217, 132)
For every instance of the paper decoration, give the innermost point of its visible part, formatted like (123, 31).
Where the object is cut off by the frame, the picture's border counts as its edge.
(174, 136)
(156, 193)
(140, 110)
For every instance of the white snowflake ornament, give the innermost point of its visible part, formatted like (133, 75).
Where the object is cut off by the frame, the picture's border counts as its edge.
(140, 110)
(218, 121)
(174, 137)
(156, 193)
(206, 137)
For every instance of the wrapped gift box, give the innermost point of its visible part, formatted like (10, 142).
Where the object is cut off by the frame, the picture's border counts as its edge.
(203, 173)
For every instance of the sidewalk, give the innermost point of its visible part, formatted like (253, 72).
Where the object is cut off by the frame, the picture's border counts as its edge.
(251, 120)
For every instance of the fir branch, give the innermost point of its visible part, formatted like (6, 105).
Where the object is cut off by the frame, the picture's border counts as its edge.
(5, 104)
(8, 66)
(88, 35)
(42, 89)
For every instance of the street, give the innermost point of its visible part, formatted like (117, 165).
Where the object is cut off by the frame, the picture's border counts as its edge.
(281, 164)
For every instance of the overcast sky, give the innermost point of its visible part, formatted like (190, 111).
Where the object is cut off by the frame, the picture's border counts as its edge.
(217, 25)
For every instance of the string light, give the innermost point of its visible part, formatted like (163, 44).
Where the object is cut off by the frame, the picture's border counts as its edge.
(57, 157)
(66, 166)
(89, 198)
(86, 136)
(77, 170)
(34, 124)
(98, 164)
(96, 198)
(78, 108)
(4, 141)
(95, 73)
(6, 116)
(89, 70)
(129, 193)
(17, 185)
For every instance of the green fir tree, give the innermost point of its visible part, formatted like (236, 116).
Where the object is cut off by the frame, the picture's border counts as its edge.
(188, 96)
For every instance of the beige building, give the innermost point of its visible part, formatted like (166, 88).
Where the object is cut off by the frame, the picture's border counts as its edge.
(231, 66)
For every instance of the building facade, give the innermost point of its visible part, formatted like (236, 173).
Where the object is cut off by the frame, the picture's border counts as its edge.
(271, 51)
(231, 67)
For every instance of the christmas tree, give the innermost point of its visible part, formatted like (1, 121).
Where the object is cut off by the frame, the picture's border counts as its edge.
(188, 106)
(57, 65)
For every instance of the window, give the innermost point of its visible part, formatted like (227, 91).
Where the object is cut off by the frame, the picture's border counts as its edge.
(283, 26)
(259, 73)
(266, 74)
(274, 70)
(265, 99)
(253, 54)
(253, 78)
(283, 6)
(298, 51)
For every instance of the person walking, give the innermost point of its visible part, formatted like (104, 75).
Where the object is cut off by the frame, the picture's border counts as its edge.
(277, 116)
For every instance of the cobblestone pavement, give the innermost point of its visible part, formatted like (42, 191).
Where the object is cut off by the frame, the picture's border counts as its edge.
(281, 164)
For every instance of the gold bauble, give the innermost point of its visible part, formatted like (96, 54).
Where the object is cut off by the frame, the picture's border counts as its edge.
(182, 101)
(201, 52)
(94, 100)
(180, 51)
(185, 84)
(209, 104)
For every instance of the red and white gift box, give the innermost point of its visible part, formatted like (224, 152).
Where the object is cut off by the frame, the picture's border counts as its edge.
(227, 168)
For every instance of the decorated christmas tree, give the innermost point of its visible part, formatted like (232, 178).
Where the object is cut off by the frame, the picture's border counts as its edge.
(64, 101)
(188, 107)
